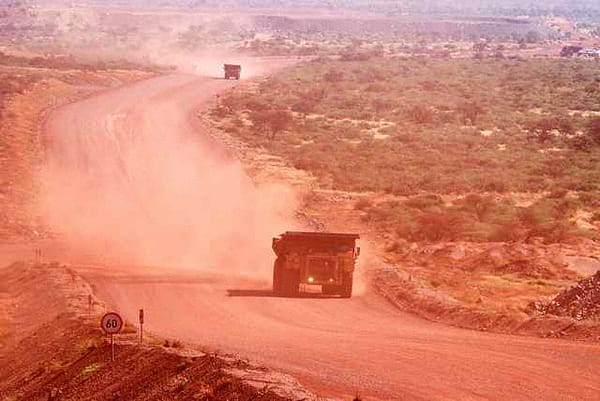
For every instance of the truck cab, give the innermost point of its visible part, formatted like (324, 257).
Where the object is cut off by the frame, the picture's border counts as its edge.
(314, 258)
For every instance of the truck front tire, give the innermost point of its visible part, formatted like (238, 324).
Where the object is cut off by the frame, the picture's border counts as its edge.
(330, 289)
(291, 283)
(346, 288)
(286, 282)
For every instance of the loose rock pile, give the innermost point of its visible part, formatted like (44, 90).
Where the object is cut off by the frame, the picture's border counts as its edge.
(580, 302)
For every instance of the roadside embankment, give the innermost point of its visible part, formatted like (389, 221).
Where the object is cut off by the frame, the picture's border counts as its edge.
(51, 348)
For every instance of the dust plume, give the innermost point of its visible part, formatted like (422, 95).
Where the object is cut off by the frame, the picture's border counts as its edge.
(131, 179)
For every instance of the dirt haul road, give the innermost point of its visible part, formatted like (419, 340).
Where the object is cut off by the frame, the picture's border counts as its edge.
(334, 346)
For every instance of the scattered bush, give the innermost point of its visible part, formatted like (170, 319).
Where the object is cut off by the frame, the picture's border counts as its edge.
(542, 129)
(271, 122)
(421, 114)
(439, 226)
(363, 204)
(495, 186)
(594, 130)
(439, 110)
(470, 112)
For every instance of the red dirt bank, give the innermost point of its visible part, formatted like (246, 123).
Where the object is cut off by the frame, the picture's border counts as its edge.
(54, 348)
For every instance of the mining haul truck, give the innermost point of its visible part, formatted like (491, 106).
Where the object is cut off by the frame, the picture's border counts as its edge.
(314, 258)
(232, 71)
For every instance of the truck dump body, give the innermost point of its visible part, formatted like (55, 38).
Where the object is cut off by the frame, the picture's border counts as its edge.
(326, 259)
(298, 240)
(232, 71)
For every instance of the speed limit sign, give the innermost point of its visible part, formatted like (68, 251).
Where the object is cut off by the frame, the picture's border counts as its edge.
(111, 323)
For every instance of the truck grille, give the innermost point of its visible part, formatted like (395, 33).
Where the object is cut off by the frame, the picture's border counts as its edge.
(321, 270)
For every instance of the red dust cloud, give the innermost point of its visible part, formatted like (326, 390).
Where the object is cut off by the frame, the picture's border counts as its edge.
(130, 179)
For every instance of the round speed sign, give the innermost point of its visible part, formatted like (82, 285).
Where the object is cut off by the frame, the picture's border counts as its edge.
(111, 323)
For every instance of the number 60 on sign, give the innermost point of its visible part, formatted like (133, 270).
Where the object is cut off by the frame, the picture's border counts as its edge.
(111, 323)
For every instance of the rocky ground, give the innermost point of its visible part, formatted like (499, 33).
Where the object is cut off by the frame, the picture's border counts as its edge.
(581, 302)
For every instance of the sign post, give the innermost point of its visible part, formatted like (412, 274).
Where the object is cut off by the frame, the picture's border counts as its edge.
(90, 303)
(111, 323)
(141, 326)
(38, 256)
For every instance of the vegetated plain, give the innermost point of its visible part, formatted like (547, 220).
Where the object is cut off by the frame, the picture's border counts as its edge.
(475, 151)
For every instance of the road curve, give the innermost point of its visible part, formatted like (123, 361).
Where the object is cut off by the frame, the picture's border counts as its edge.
(336, 347)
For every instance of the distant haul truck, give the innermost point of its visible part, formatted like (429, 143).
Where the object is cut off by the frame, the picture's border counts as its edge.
(326, 259)
(232, 71)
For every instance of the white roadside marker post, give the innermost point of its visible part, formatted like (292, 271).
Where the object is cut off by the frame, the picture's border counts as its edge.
(111, 323)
